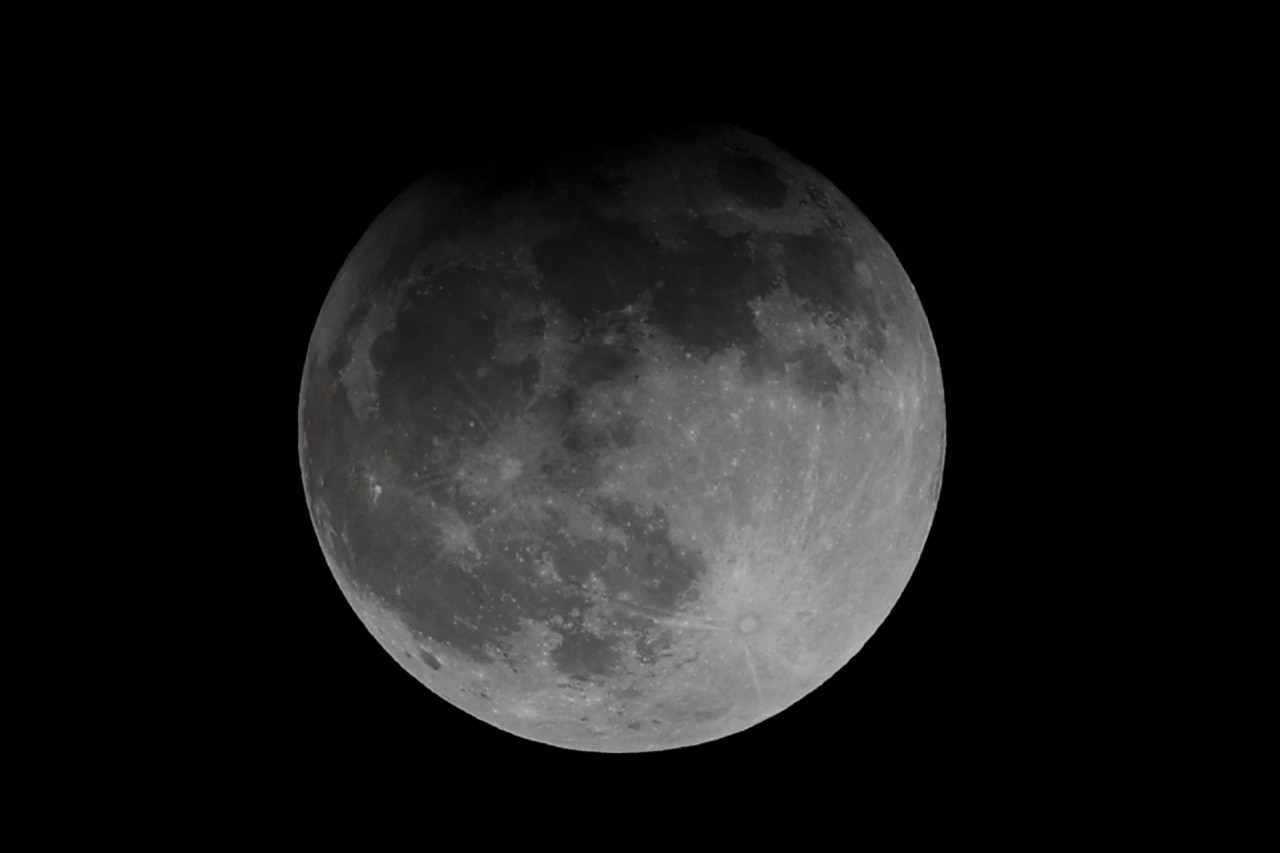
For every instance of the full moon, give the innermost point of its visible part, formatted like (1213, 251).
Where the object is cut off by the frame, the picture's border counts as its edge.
(628, 448)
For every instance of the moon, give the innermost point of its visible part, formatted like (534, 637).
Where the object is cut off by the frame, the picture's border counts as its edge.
(628, 448)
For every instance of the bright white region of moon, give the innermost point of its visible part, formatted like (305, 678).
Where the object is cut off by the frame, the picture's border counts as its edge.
(627, 450)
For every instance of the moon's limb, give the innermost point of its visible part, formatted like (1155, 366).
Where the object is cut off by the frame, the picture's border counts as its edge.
(634, 467)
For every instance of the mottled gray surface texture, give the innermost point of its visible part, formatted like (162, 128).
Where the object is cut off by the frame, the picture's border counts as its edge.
(627, 450)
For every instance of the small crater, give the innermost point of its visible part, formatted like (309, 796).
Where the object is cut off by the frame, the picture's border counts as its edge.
(429, 659)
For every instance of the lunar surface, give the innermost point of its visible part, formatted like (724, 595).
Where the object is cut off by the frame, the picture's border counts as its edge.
(627, 450)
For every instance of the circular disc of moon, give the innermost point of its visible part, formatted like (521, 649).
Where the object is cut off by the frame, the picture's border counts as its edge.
(626, 450)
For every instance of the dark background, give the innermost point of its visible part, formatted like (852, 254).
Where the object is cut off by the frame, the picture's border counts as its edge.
(197, 183)
(963, 674)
